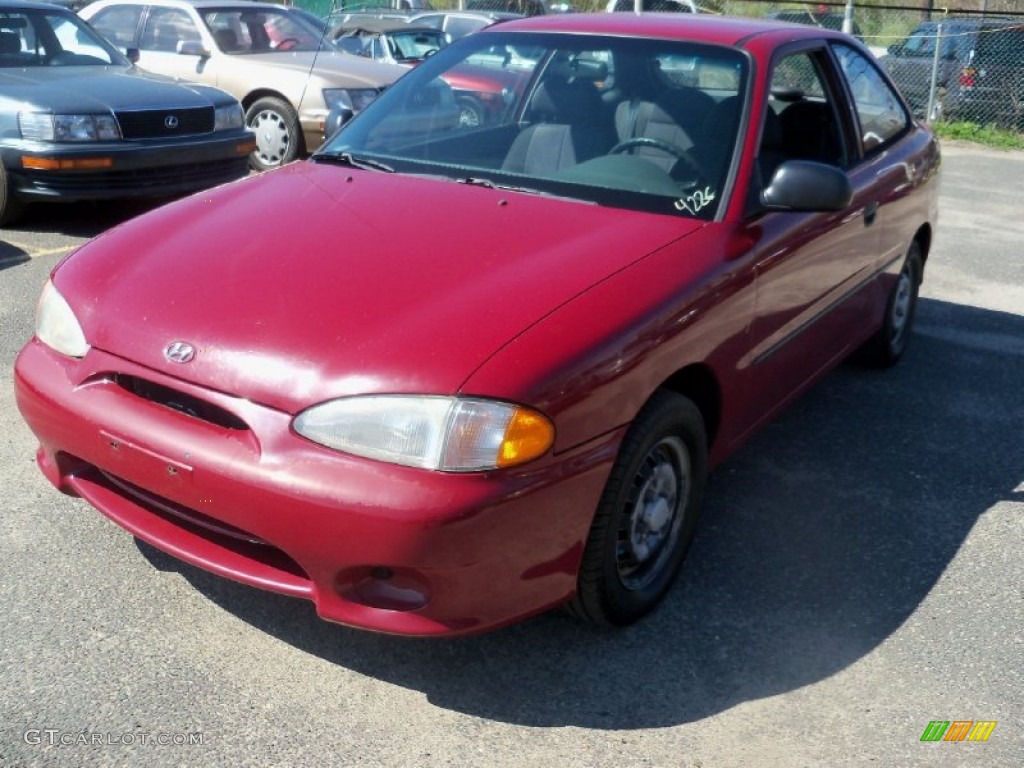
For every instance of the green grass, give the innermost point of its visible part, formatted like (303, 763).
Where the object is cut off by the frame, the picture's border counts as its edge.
(980, 134)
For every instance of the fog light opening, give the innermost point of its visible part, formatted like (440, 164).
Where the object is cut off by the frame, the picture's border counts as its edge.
(382, 587)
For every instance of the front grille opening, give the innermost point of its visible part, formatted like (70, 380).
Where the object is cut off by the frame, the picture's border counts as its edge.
(227, 536)
(161, 123)
(179, 401)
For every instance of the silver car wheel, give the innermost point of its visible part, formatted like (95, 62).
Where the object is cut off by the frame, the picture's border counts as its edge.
(901, 306)
(272, 137)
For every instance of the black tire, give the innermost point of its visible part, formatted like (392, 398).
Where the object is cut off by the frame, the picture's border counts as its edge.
(11, 208)
(647, 515)
(887, 346)
(278, 134)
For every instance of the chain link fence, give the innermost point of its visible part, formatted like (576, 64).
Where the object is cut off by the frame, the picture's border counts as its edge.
(962, 60)
(962, 64)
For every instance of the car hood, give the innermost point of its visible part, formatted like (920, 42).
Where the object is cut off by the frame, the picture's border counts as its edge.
(342, 69)
(69, 89)
(318, 281)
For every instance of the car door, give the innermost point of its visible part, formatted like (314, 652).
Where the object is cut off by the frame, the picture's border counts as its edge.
(163, 29)
(886, 169)
(813, 270)
(120, 24)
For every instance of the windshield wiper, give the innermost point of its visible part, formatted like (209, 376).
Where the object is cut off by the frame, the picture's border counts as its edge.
(476, 181)
(347, 158)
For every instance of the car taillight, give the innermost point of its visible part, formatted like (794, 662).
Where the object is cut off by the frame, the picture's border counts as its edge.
(967, 75)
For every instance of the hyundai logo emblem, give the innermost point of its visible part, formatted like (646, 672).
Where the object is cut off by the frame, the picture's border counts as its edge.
(180, 352)
(170, 122)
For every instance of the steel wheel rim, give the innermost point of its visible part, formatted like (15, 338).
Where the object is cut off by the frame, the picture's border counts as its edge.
(653, 514)
(901, 306)
(469, 117)
(272, 137)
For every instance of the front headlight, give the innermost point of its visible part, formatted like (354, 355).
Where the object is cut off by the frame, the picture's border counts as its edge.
(352, 99)
(227, 117)
(442, 433)
(56, 325)
(40, 126)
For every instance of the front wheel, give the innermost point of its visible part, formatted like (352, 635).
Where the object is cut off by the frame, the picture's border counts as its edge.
(887, 346)
(471, 112)
(647, 515)
(278, 138)
(11, 208)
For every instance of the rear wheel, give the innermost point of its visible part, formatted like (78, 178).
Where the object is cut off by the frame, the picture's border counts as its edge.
(278, 137)
(887, 346)
(647, 515)
(11, 208)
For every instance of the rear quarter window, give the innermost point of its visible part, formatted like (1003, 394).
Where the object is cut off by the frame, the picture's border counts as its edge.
(879, 110)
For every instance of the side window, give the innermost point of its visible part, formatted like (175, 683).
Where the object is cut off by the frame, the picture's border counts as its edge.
(880, 113)
(165, 28)
(118, 24)
(802, 119)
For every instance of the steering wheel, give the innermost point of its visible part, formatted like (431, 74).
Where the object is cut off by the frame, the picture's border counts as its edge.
(646, 141)
(287, 44)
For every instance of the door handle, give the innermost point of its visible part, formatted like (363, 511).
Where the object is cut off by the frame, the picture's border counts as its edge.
(870, 211)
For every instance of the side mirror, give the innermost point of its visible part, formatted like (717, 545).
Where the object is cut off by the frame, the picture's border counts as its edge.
(894, 49)
(132, 54)
(192, 48)
(803, 185)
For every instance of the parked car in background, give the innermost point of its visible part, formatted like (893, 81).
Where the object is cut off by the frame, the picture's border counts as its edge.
(518, 7)
(820, 16)
(377, 6)
(458, 24)
(629, 272)
(479, 85)
(276, 64)
(79, 122)
(393, 41)
(980, 73)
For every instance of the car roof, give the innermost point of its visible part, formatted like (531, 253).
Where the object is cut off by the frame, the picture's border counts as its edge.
(380, 25)
(484, 15)
(971, 21)
(719, 30)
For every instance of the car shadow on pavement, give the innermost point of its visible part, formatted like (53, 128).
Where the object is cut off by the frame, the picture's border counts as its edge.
(11, 255)
(819, 540)
(80, 219)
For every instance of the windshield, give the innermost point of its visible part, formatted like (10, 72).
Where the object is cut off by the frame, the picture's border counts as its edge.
(403, 46)
(241, 31)
(36, 37)
(640, 124)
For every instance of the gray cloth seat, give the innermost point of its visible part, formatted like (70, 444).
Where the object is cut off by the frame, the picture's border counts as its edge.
(10, 43)
(674, 117)
(226, 39)
(565, 129)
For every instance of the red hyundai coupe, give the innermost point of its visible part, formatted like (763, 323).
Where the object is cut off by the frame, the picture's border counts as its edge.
(441, 377)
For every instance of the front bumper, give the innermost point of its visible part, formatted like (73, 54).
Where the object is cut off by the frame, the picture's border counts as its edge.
(142, 168)
(235, 491)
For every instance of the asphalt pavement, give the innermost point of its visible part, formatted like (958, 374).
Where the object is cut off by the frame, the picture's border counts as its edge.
(857, 575)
